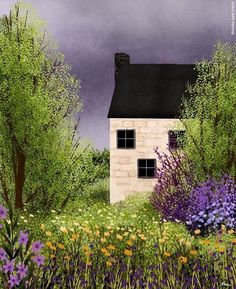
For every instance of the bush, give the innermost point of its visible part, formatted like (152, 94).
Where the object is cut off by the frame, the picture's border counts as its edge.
(175, 180)
(101, 159)
(211, 204)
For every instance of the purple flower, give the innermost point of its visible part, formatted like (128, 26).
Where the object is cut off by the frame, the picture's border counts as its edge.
(37, 246)
(9, 266)
(21, 270)
(13, 280)
(39, 260)
(3, 212)
(23, 239)
(1, 226)
(3, 254)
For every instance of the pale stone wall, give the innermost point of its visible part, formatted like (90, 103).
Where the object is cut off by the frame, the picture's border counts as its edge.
(150, 133)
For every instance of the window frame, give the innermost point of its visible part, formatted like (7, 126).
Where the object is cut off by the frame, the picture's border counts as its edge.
(125, 138)
(146, 168)
(178, 146)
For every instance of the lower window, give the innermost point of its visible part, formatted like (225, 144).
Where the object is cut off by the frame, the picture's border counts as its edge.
(146, 168)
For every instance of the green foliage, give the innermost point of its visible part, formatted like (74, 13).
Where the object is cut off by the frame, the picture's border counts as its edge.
(209, 115)
(38, 95)
(102, 159)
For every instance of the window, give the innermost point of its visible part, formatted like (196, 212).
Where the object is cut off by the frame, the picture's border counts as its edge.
(176, 138)
(146, 168)
(125, 138)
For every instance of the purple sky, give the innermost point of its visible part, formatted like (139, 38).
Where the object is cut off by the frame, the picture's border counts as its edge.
(89, 32)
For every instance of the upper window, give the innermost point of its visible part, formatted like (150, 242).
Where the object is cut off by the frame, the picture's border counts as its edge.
(146, 168)
(176, 138)
(125, 138)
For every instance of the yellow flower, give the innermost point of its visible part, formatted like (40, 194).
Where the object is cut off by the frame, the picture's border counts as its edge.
(88, 253)
(88, 263)
(221, 250)
(181, 241)
(162, 241)
(125, 233)
(107, 254)
(183, 259)
(64, 230)
(74, 237)
(128, 252)
(86, 248)
(206, 242)
(52, 256)
(129, 242)
(108, 263)
(197, 232)
(67, 257)
(223, 227)
(107, 234)
(142, 237)
(234, 241)
(103, 250)
(167, 254)
(193, 252)
(111, 247)
(97, 233)
(139, 231)
(119, 237)
(49, 234)
(60, 246)
(188, 244)
(133, 237)
(96, 226)
(42, 226)
(53, 248)
(48, 244)
(103, 240)
(231, 231)
(109, 227)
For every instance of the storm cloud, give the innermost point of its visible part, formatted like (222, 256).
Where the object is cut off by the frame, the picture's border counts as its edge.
(89, 32)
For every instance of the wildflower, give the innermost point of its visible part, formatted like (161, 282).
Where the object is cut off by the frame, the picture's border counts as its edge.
(60, 246)
(129, 242)
(103, 250)
(206, 242)
(3, 212)
(109, 227)
(3, 254)
(111, 247)
(221, 250)
(52, 256)
(36, 246)
(167, 254)
(128, 252)
(193, 252)
(64, 230)
(108, 263)
(53, 211)
(119, 237)
(88, 253)
(74, 237)
(48, 244)
(21, 270)
(162, 241)
(183, 259)
(31, 215)
(53, 248)
(49, 234)
(188, 244)
(25, 221)
(103, 240)
(88, 263)
(234, 241)
(231, 231)
(67, 257)
(9, 266)
(97, 233)
(42, 227)
(197, 232)
(39, 260)
(96, 226)
(125, 234)
(107, 254)
(23, 238)
(85, 248)
(107, 234)
(133, 237)
(13, 280)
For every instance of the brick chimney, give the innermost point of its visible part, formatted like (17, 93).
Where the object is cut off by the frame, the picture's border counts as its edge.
(120, 58)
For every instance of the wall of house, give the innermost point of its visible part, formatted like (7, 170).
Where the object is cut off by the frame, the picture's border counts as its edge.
(150, 133)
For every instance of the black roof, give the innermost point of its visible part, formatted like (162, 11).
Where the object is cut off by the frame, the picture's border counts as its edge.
(150, 90)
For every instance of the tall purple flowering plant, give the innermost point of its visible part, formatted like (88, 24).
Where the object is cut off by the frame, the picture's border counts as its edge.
(175, 180)
(18, 255)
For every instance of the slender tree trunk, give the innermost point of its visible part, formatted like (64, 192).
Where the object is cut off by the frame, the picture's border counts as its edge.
(19, 178)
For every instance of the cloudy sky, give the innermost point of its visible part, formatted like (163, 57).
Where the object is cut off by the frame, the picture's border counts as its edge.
(89, 32)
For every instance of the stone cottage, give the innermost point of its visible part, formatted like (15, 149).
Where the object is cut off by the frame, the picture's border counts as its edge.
(143, 115)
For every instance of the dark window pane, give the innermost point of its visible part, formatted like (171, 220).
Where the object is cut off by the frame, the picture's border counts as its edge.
(129, 143)
(142, 172)
(121, 143)
(130, 133)
(121, 134)
(142, 163)
(150, 172)
(151, 163)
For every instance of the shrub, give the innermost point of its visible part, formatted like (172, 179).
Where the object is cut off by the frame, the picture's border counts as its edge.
(175, 180)
(101, 159)
(211, 204)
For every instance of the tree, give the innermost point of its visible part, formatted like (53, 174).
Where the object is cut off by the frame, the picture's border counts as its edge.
(38, 96)
(209, 114)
